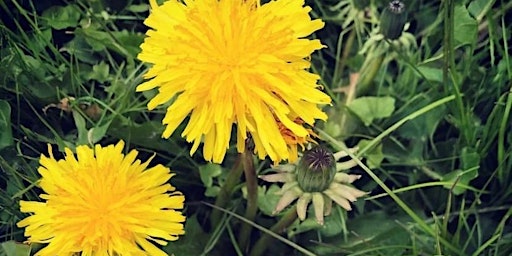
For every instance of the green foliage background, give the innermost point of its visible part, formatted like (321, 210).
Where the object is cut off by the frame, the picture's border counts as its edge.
(431, 112)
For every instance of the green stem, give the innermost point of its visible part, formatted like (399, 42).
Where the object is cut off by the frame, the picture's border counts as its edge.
(226, 190)
(503, 173)
(338, 72)
(349, 97)
(447, 211)
(449, 60)
(262, 244)
(449, 68)
(368, 72)
(251, 181)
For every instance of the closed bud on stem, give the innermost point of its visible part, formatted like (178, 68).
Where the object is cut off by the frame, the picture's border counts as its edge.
(316, 169)
(393, 19)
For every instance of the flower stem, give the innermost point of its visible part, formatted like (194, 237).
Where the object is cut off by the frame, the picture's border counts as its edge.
(369, 71)
(287, 219)
(342, 60)
(226, 190)
(251, 182)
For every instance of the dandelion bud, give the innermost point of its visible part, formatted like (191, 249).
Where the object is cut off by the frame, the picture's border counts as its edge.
(316, 170)
(393, 19)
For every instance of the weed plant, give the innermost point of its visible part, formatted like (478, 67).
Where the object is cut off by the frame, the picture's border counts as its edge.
(429, 112)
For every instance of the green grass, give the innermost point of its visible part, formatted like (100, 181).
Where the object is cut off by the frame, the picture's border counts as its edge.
(430, 113)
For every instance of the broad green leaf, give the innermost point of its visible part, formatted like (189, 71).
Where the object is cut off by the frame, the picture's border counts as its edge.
(374, 156)
(61, 17)
(129, 43)
(122, 42)
(479, 8)
(97, 133)
(432, 74)
(377, 229)
(333, 223)
(470, 159)
(12, 248)
(304, 226)
(81, 128)
(100, 72)
(470, 163)
(192, 243)
(267, 199)
(81, 49)
(212, 191)
(208, 172)
(98, 40)
(465, 26)
(370, 108)
(6, 138)
(423, 126)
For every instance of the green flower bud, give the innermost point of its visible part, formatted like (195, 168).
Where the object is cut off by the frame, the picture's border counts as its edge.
(393, 19)
(316, 170)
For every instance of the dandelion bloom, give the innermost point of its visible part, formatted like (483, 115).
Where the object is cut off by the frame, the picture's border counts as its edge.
(103, 203)
(293, 141)
(226, 62)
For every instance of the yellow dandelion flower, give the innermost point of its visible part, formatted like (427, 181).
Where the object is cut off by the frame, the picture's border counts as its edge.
(225, 62)
(293, 141)
(103, 203)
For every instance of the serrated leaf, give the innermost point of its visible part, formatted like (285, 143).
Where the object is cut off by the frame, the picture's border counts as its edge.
(370, 108)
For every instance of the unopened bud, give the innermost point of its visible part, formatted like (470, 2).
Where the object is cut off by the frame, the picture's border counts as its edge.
(393, 19)
(316, 169)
